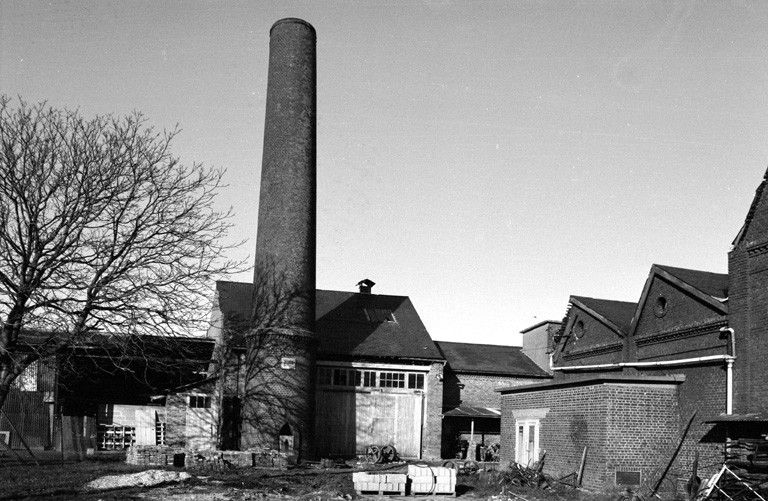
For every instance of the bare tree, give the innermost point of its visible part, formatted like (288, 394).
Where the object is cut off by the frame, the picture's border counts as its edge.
(103, 232)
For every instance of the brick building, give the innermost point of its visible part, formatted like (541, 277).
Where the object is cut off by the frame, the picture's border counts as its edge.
(538, 342)
(471, 404)
(379, 375)
(629, 376)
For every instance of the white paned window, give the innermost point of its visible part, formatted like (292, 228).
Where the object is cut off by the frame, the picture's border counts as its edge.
(527, 441)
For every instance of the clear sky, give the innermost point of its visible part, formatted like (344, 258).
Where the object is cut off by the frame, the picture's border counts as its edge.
(486, 158)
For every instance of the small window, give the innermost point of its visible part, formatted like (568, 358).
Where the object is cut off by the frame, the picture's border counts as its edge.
(660, 309)
(392, 380)
(416, 381)
(369, 379)
(199, 402)
(379, 315)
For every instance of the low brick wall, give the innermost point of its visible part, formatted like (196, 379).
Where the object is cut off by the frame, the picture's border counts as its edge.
(155, 455)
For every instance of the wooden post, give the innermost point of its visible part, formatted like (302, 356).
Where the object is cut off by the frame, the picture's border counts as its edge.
(580, 476)
(674, 456)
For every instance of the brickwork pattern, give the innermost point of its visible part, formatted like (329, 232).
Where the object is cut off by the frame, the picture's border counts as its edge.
(682, 309)
(432, 427)
(738, 320)
(176, 420)
(480, 390)
(596, 336)
(748, 310)
(623, 425)
(276, 396)
(642, 429)
(704, 393)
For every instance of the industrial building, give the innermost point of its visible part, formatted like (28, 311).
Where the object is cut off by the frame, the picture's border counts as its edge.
(628, 377)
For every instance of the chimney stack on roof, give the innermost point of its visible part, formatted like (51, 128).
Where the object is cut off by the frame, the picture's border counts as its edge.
(366, 285)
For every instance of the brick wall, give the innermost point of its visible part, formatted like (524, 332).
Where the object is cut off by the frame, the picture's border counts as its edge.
(689, 326)
(279, 393)
(738, 320)
(176, 420)
(478, 390)
(748, 316)
(432, 426)
(748, 309)
(625, 426)
(642, 430)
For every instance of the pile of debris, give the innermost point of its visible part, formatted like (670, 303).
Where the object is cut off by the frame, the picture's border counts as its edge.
(522, 476)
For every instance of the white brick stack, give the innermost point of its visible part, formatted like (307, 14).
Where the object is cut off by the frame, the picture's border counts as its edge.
(432, 480)
(379, 482)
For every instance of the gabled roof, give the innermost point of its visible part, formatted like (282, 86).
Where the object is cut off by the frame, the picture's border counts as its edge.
(710, 288)
(346, 327)
(714, 284)
(752, 209)
(349, 324)
(489, 359)
(616, 314)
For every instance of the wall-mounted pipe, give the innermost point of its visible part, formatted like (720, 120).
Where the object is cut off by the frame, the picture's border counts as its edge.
(728, 359)
(658, 363)
(729, 369)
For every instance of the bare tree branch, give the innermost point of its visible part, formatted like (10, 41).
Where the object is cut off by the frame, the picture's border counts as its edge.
(102, 230)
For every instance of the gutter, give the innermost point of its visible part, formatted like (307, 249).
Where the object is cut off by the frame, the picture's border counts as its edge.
(728, 359)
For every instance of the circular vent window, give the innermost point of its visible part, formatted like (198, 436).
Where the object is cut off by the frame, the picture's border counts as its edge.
(578, 330)
(661, 307)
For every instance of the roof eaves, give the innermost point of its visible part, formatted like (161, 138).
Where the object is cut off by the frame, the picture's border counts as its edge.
(603, 379)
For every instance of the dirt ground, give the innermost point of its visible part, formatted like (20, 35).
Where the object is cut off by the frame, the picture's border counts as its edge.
(65, 481)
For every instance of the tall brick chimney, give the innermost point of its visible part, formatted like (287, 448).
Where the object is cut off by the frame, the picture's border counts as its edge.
(278, 405)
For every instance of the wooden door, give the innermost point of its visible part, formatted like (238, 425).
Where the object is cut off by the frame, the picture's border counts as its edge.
(347, 422)
(335, 418)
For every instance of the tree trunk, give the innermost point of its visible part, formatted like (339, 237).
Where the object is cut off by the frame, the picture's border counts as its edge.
(5, 387)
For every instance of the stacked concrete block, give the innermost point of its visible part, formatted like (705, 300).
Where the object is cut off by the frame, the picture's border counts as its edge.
(380, 483)
(432, 480)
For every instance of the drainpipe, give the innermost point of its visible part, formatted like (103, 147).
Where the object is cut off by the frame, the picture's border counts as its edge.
(729, 370)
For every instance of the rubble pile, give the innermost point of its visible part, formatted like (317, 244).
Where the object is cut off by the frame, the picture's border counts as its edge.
(160, 455)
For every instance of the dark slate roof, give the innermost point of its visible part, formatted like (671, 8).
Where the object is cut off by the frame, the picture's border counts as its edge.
(344, 329)
(714, 284)
(620, 313)
(474, 412)
(489, 359)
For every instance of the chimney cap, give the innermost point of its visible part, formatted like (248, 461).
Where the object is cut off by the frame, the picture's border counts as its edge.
(293, 20)
(365, 285)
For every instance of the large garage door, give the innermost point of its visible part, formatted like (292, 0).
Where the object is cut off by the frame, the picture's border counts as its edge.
(347, 422)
